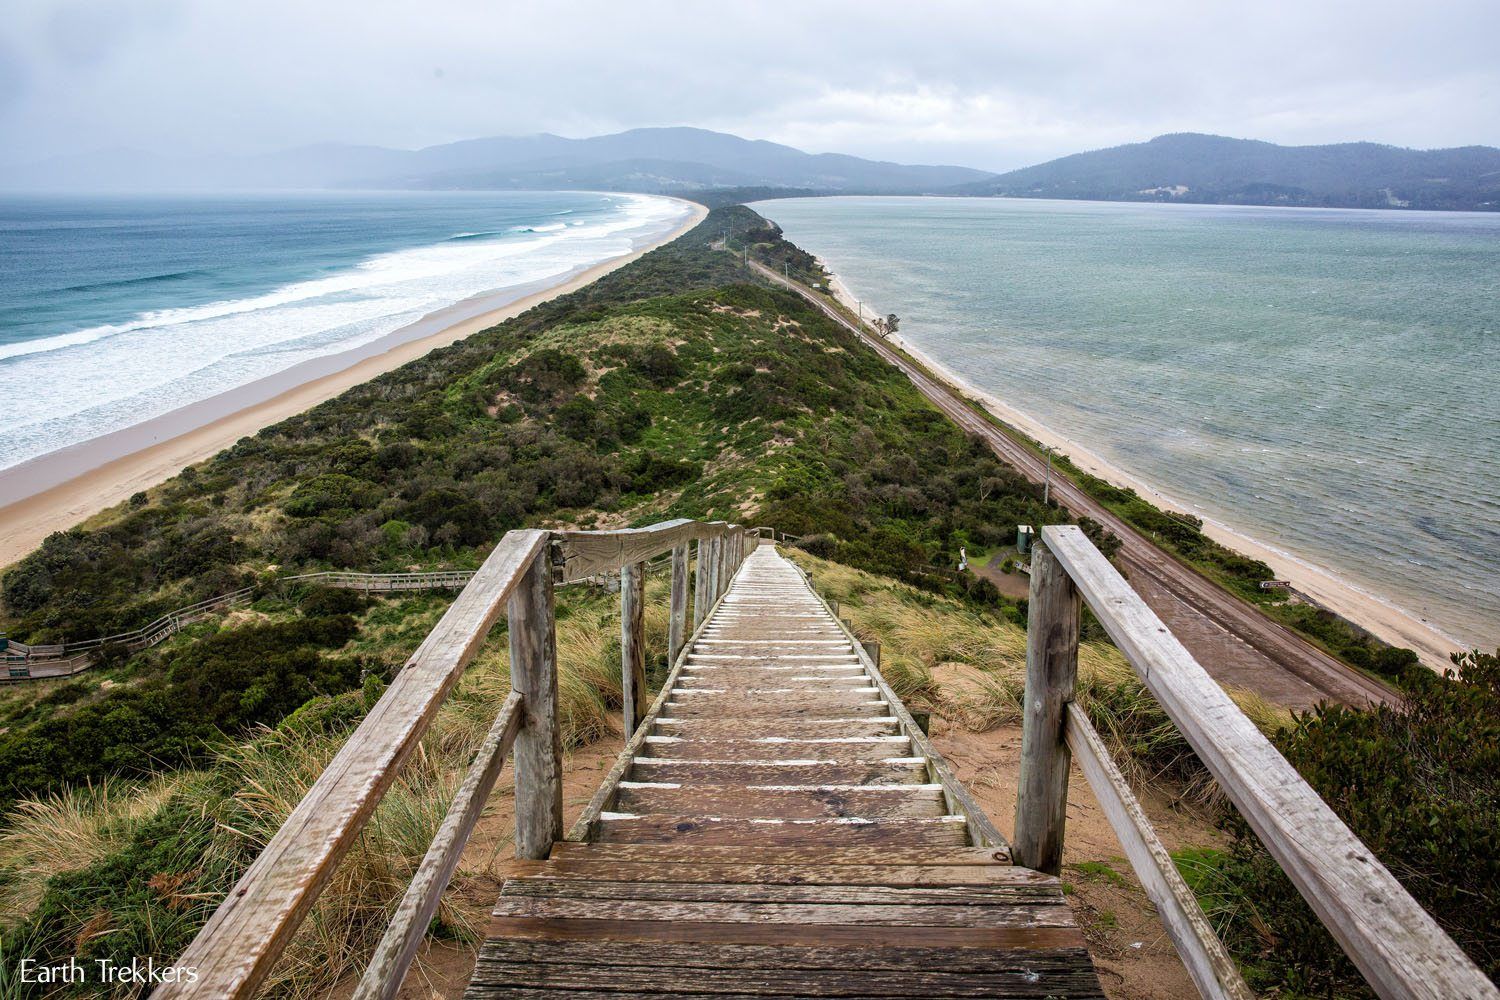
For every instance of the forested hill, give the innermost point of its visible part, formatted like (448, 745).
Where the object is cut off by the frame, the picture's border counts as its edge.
(1192, 167)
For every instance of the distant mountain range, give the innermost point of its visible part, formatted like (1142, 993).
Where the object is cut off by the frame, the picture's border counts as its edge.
(1183, 167)
(1211, 168)
(652, 160)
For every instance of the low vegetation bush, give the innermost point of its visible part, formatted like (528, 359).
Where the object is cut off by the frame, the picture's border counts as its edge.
(1419, 783)
(194, 698)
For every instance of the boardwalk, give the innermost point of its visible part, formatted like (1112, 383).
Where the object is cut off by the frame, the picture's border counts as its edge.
(778, 828)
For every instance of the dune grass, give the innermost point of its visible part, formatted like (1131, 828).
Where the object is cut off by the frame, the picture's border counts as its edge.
(123, 869)
(968, 665)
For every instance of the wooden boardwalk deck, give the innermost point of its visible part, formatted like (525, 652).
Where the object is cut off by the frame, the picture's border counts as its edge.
(776, 829)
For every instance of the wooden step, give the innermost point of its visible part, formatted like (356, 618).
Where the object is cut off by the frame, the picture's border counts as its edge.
(850, 749)
(909, 770)
(715, 728)
(750, 853)
(776, 834)
(943, 831)
(905, 801)
(584, 968)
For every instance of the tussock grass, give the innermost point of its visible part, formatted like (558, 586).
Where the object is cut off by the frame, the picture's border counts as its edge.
(970, 668)
(70, 831)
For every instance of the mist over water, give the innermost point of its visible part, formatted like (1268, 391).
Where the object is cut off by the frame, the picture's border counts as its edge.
(116, 310)
(1324, 381)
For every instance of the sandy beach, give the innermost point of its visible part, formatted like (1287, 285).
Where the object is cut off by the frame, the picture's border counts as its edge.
(59, 490)
(1369, 611)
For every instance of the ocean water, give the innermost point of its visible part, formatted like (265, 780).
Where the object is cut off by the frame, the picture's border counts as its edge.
(116, 310)
(1323, 381)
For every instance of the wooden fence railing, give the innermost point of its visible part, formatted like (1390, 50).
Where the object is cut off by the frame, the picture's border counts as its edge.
(237, 947)
(1397, 946)
(64, 659)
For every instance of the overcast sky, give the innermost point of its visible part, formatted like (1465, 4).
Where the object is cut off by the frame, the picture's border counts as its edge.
(993, 85)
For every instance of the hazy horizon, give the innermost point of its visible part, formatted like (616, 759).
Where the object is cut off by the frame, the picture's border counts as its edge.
(951, 83)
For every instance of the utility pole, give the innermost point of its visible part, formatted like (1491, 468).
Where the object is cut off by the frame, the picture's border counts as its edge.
(1047, 481)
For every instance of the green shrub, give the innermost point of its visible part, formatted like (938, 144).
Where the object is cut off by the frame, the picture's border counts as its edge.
(1419, 783)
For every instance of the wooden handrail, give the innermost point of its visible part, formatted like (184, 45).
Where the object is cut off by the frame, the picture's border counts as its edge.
(237, 947)
(1397, 946)
(235, 950)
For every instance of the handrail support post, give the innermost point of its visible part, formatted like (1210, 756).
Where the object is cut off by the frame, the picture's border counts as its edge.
(677, 625)
(1051, 677)
(633, 645)
(538, 746)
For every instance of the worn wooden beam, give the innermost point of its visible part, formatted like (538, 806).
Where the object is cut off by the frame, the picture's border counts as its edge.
(403, 936)
(586, 553)
(700, 582)
(1395, 943)
(677, 621)
(715, 550)
(1202, 953)
(237, 947)
(633, 645)
(1051, 674)
(533, 673)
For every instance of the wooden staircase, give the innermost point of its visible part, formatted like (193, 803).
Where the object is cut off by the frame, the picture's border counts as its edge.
(775, 829)
(778, 825)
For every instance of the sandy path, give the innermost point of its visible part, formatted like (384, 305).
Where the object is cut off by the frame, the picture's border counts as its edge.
(57, 491)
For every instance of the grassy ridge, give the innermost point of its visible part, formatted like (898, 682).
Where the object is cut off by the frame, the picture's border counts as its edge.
(675, 386)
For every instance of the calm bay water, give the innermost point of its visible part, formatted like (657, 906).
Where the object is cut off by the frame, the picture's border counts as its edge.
(115, 310)
(1324, 381)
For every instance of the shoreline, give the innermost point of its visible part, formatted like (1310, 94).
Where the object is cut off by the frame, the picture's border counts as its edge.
(56, 491)
(1369, 611)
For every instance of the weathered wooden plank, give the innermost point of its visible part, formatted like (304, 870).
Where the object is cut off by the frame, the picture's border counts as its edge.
(785, 802)
(240, 942)
(1397, 946)
(791, 934)
(753, 773)
(763, 854)
(832, 833)
(718, 728)
(700, 582)
(1051, 675)
(1203, 955)
(677, 614)
(633, 646)
(702, 708)
(992, 915)
(533, 673)
(403, 935)
(587, 553)
(807, 873)
(776, 981)
(850, 749)
(1007, 894)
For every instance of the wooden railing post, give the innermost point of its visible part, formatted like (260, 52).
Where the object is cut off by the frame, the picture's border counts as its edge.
(633, 645)
(538, 746)
(700, 582)
(715, 551)
(677, 626)
(1051, 673)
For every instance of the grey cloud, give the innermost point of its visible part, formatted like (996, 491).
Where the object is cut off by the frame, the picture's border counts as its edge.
(986, 84)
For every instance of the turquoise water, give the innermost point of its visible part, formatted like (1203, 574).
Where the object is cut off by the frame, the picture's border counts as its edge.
(1324, 381)
(114, 310)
